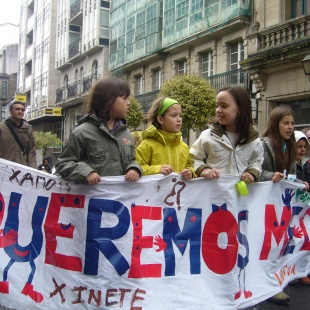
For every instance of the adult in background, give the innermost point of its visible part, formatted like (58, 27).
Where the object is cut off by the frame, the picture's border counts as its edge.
(17, 141)
(45, 166)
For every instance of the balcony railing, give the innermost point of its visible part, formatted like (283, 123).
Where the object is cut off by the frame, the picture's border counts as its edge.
(73, 89)
(147, 99)
(235, 77)
(88, 82)
(75, 8)
(285, 33)
(76, 88)
(75, 48)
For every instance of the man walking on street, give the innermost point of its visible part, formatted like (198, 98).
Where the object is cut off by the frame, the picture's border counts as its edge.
(17, 142)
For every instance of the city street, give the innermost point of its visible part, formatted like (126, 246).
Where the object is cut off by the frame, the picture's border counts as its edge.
(300, 300)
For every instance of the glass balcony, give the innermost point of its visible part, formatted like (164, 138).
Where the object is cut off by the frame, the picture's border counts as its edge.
(75, 9)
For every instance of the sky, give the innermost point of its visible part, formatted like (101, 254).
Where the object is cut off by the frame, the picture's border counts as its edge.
(10, 11)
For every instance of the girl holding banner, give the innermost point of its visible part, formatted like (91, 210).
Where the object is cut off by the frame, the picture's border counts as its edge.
(232, 146)
(162, 149)
(279, 157)
(101, 145)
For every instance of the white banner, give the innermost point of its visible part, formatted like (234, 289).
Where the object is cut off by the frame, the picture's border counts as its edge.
(159, 243)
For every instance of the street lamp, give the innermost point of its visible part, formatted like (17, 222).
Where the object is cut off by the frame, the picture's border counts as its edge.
(306, 65)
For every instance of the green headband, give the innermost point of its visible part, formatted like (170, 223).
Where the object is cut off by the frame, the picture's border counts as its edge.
(167, 102)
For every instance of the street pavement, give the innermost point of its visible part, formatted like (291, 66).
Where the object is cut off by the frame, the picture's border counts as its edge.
(300, 300)
(299, 294)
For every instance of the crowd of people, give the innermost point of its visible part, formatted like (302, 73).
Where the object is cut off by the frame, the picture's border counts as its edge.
(103, 146)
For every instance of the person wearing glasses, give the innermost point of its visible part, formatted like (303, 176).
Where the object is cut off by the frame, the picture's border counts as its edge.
(17, 141)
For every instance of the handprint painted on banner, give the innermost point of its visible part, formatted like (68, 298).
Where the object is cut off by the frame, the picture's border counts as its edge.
(162, 245)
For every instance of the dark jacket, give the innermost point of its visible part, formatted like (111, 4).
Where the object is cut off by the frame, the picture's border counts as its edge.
(303, 171)
(269, 164)
(10, 150)
(45, 167)
(92, 147)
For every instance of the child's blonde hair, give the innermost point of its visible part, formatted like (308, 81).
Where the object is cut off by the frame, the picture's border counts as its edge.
(153, 112)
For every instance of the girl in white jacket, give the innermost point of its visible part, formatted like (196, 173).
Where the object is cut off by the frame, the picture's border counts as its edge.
(232, 146)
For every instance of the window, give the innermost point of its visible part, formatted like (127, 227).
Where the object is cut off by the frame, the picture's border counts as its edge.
(45, 52)
(299, 8)
(181, 67)
(105, 4)
(76, 119)
(66, 82)
(81, 73)
(38, 26)
(228, 3)
(57, 132)
(37, 55)
(94, 69)
(44, 86)
(212, 8)
(4, 89)
(196, 11)
(157, 79)
(206, 65)
(46, 18)
(236, 54)
(36, 88)
(138, 85)
(182, 9)
(57, 129)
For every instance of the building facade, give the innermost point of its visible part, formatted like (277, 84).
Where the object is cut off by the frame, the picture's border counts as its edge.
(65, 46)
(37, 77)
(278, 42)
(82, 49)
(8, 77)
(152, 41)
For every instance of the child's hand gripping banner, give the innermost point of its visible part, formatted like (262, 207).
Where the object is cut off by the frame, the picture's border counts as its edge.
(159, 243)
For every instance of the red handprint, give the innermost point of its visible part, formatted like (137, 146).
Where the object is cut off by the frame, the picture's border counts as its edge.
(162, 245)
(8, 239)
(297, 232)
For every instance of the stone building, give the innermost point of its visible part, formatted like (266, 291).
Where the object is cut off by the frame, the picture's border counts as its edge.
(257, 44)
(278, 41)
